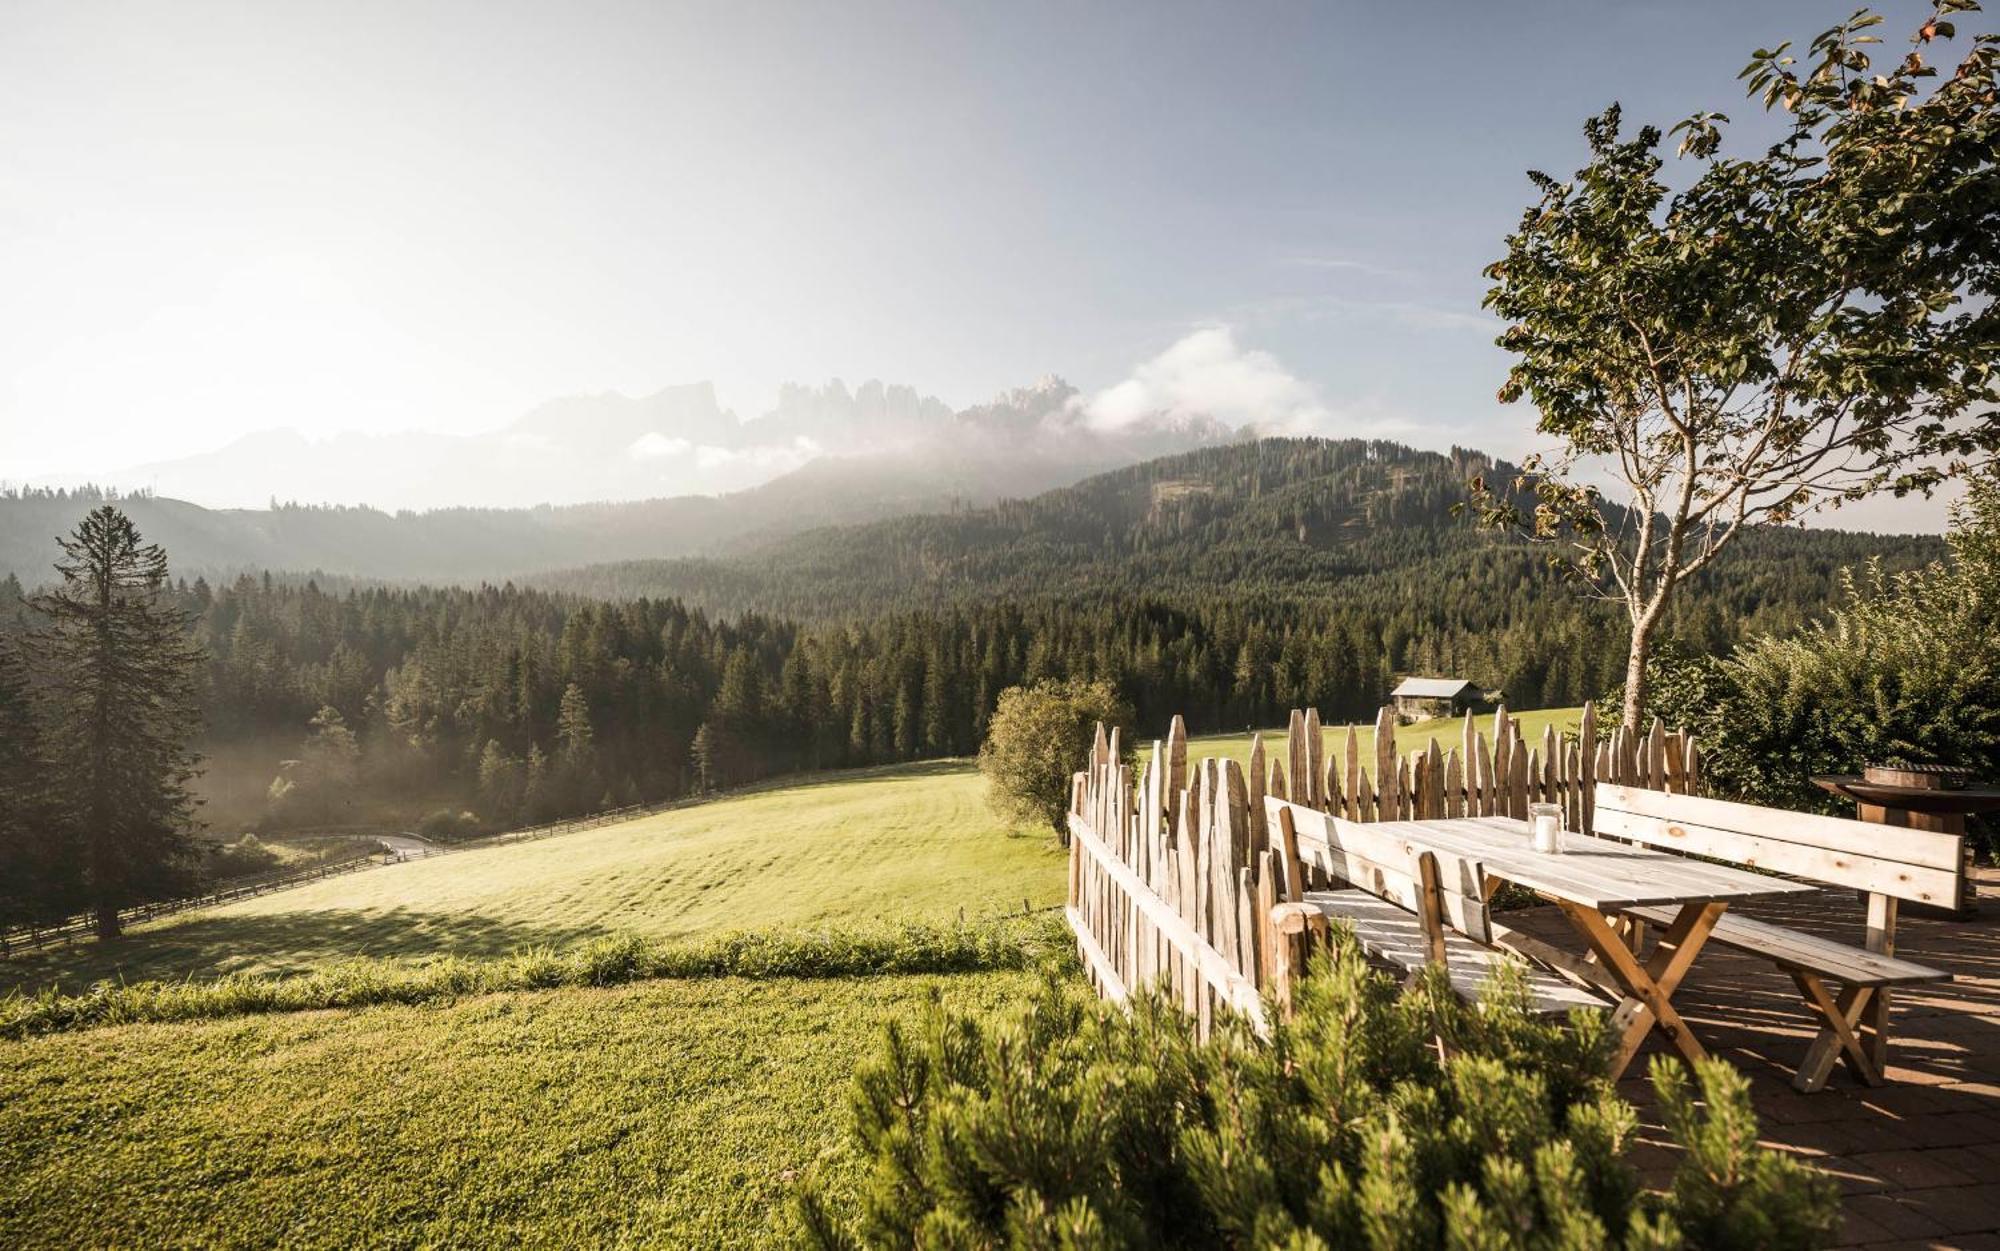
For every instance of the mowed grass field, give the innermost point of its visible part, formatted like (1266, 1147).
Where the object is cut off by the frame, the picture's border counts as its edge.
(661, 1113)
(667, 1114)
(910, 843)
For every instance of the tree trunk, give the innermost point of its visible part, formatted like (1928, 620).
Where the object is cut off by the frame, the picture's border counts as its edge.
(107, 921)
(1635, 674)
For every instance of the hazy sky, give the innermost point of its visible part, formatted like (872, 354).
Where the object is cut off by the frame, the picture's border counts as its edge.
(222, 218)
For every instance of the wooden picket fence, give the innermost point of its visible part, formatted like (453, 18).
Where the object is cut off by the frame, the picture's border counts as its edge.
(1474, 777)
(1173, 875)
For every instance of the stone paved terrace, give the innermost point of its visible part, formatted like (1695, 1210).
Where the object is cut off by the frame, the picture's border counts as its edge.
(1918, 1160)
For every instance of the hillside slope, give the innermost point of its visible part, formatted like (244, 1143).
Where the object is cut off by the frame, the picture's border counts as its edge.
(910, 843)
(470, 545)
(1283, 518)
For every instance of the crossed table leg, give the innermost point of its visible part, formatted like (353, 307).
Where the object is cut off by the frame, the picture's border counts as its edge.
(1647, 989)
(1842, 1035)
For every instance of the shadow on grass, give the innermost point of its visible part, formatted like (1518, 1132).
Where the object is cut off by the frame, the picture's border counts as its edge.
(948, 767)
(281, 944)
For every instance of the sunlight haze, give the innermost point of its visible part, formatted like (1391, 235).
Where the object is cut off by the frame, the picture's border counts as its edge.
(223, 219)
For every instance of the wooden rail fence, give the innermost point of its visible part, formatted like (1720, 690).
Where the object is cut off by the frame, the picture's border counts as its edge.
(1173, 873)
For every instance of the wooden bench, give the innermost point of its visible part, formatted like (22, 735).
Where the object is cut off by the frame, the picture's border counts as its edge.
(1409, 907)
(1888, 864)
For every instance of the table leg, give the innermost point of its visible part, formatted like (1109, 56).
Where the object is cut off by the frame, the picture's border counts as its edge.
(1874, 1023)
(1649, 988)
(1837, 1038)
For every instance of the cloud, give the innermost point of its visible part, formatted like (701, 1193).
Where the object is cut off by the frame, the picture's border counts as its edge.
(1207, 374)
(778, 457)
(657, 446)
(1343, 264)
(1432, 317)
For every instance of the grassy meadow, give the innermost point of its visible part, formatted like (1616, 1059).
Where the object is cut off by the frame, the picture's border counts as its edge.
(903, 843)
(668, 1113)
(679, 1110)
(907, 843)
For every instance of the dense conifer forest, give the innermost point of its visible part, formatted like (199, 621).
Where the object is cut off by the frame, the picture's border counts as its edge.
(1229, 585)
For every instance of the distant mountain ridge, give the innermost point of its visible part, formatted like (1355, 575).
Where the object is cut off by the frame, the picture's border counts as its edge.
(676, 441)
(1280, 518)
(1303, 520)
(904, 453)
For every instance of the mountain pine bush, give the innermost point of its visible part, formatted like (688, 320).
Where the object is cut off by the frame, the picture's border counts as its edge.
(1073, 1124)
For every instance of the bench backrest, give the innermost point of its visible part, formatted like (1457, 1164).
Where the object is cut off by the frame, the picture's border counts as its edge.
(1377, 858)
(1918, 865)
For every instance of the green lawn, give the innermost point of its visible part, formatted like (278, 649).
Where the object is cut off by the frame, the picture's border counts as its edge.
(664, 1113)
(673, 1113)
(911, 843)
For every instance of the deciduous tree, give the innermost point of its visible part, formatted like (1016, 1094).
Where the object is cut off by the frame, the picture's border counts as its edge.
(1789, 331)
(1037, 740)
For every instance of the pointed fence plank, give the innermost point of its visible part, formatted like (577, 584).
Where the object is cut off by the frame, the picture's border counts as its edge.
(1352, 753)
(1176, 884)
(1256, 779)
(1315, 757)
(1387, 789)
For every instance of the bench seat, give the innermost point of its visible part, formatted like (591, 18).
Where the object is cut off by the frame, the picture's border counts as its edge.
(1855, 966)
(1396, 937)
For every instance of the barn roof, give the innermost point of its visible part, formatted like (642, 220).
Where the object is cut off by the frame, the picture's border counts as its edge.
(1432, 688)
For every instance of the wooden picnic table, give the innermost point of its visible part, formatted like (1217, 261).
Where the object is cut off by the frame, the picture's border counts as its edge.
(1593, 882)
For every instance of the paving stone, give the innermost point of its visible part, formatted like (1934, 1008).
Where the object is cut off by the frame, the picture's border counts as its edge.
(1857, 1230)
(1911, 1169)
(1917, 1160)
(1960, 1209)
(1899, 1218)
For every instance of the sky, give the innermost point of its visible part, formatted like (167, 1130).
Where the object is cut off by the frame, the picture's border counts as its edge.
(374, 217)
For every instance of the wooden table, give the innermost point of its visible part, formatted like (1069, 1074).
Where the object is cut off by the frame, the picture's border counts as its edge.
(1593, 881)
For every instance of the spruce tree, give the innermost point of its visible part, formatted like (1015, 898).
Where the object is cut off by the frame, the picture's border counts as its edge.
(37, 882)
(121, 671)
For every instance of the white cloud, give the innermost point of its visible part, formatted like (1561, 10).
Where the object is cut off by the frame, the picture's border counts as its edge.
(657, 446)
(1208, 374)
(1343, 264)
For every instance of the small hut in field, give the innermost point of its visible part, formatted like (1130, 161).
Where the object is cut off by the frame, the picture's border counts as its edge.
(1418, 699)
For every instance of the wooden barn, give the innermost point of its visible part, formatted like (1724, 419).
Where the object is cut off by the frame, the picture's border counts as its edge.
(1419, 698)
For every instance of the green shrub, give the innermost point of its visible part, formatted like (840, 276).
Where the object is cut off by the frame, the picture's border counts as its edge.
(609, 961)
(447, 826)
(245, 856)
(1075, 1124)
(1906, 669)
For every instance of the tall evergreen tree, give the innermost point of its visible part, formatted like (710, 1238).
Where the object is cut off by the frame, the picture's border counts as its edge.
(36, 880)
(121, 669)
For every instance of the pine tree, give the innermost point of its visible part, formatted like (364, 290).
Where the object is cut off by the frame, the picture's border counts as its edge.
(500, 783)
(122, 671)
(37, 882)
(573, 731)
(703, 757)
(576, 751)
(1070, 1122)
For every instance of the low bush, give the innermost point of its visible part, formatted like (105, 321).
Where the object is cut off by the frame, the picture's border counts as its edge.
(1905, 669)
(1075, 1124)
(245, 856)
(610, 961)
(447, 826)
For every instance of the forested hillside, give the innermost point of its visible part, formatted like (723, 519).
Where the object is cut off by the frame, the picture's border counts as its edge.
(1349, 525)
(470, 545)
(1229, 585)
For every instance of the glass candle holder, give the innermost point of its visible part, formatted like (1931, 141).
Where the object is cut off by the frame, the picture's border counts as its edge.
(1546, 822)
